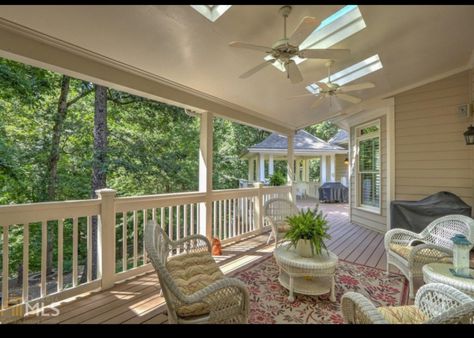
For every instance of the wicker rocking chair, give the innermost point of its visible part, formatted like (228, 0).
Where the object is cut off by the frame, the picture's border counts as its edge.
(276, 211)
(409, 251)
(435, 303)
(195, 289)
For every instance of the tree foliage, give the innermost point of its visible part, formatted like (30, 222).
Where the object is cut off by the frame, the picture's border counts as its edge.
(152, 148)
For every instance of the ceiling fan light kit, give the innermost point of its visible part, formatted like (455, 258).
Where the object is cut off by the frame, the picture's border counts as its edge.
(287, 48)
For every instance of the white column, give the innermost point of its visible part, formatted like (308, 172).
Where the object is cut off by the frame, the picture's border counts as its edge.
(323, 169)
(333, 167)
(303, 174)
(205, 173)
(261, 167)
(270, 165)
(251, 169)
(307, 170)
(291, 165)
(106, 238)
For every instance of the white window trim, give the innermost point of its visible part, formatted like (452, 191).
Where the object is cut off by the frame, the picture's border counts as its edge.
(358, 138)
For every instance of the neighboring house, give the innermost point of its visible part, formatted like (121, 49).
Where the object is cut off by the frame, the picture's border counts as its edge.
(307, 147)
(410, 147)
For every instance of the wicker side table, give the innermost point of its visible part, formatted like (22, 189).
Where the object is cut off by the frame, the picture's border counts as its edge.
(308, 276)
(439, 273)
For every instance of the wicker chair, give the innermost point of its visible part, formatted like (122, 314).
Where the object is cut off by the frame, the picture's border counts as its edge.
(435, 303)
(409, 251)
(195, 289)
(276, 211)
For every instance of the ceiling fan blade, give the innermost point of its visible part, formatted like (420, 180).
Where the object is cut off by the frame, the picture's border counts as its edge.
(358, 86)
(324, 53)
(318, 101)
(256, 69)
(323, 86)
(298, 96)
(293, 72)
(305, 28)
(349, 98)
(240, 44)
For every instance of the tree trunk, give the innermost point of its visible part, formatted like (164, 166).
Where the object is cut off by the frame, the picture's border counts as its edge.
(99, 164)
(53, 162)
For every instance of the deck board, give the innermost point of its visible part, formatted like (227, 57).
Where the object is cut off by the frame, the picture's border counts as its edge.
(138, 300)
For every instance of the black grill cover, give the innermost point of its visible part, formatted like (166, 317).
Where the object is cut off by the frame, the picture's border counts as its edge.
(416, 215)
(333, 192)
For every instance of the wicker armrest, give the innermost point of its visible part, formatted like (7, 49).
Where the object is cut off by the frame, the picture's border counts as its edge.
(400, 236)
(193, 243)
(434, 299)
(357, 309)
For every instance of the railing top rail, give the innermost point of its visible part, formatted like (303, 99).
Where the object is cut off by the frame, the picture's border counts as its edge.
(45, 211)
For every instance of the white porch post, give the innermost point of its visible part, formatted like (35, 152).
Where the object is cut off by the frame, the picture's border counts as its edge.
(303, 173)
(251, 169)
(291, 166)
(333, 167)
(106, 238)
(307, 170)
(270, 165)
(261, 167)
(205, 173)
(323, 169)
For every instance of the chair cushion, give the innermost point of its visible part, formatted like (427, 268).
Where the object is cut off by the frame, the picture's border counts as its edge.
(191, 273)
(283, 227)
(408, 314)
(405, 250)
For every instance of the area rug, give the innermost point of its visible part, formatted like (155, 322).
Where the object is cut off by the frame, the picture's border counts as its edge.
(269, 300)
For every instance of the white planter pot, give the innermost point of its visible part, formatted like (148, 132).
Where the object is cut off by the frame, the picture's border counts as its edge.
(303, 248)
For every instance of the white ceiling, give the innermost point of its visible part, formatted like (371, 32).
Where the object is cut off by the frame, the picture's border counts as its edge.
(176, 42)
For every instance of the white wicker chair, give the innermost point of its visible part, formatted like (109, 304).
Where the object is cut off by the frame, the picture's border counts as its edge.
(191, 295)
(435, 303)
(276, 211)
(409, 251)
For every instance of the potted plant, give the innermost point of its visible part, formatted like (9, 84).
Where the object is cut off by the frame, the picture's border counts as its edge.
(277, 179)
(308, 230)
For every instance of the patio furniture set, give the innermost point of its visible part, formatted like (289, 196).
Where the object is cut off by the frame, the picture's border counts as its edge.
(197, 291)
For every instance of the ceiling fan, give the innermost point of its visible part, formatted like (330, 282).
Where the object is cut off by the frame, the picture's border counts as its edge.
(332, 89)
(285, 49)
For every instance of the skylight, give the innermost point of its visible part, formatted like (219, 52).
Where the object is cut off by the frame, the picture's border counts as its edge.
(211, 12)
(351, 73)
(336, 27)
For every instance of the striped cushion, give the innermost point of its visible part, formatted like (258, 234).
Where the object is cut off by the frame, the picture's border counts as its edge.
(191, 273)
(405, 250)
(408, 314)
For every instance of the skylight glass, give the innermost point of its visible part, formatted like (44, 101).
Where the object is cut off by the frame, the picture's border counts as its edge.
(211, 12)
(336, 27)
(351, 73)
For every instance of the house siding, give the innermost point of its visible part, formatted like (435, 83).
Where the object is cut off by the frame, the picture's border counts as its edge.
(341, 167)
(430, 152)
(362, 217)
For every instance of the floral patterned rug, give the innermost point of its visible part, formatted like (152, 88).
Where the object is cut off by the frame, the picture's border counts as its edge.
(269, 300)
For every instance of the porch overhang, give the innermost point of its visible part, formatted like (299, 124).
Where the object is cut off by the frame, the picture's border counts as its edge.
(34, 48)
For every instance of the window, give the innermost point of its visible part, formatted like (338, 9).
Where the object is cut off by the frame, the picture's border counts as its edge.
(368, 168)
(351, 73)
(211, 12)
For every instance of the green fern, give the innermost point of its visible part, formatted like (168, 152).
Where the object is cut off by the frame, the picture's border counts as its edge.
(311, 225)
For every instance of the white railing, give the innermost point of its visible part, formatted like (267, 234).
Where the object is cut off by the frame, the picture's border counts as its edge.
(119, 224)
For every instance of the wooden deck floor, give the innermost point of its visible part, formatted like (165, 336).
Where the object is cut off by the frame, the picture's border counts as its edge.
(138, 301)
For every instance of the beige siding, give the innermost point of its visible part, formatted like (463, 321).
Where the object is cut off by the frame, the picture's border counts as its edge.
(362, 217)
(341, 167)
(430, 153)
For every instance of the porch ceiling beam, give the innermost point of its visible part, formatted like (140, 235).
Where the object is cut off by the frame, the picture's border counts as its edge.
(25, 45)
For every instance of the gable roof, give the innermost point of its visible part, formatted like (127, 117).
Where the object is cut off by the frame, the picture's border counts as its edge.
(341, 137)
(303, 141)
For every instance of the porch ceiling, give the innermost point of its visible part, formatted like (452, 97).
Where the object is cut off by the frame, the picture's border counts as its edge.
(179, 44)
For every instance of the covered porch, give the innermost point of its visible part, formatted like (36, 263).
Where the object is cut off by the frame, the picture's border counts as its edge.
(137, 300)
